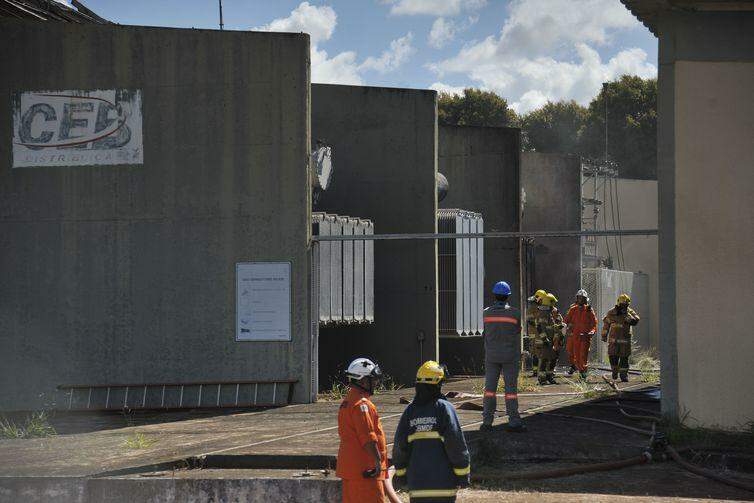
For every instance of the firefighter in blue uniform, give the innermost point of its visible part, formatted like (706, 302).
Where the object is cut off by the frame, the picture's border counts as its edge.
(429, 449)
(502, 354)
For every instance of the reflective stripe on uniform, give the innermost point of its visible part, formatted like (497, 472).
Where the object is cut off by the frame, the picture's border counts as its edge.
(500, 319)
(400, 472)
(425, 435)
(433, 493)
(462, 471)
(511, 396)
(489, 393)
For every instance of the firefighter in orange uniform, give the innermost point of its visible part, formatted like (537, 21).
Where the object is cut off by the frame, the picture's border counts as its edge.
(362, 455)
(581, 325)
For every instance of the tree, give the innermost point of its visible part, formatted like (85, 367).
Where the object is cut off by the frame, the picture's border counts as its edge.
(632, 126)
(474, 108)
(554, 128)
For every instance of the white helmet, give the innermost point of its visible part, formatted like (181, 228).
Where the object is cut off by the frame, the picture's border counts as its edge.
(582, 293)
(363, 367)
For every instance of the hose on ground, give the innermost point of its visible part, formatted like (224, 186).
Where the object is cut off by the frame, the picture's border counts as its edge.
(603, 421)
(706, 473)
(574, 470)
(677, 457)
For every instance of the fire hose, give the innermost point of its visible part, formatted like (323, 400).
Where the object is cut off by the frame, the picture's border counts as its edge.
(655, 444)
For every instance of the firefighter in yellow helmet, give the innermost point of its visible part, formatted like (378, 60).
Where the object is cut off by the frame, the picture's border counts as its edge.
(549, 338)
(532, 312)
(429, 448)
(617, 329)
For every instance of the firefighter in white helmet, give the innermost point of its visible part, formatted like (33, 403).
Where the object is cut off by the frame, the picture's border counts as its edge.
(362, 455)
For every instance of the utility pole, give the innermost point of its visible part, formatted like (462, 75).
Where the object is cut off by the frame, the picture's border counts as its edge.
(221, 13)
(604, 97)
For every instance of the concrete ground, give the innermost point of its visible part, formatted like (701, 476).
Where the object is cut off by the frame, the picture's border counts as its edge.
(240, 449)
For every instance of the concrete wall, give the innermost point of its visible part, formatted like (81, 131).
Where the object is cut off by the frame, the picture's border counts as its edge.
(636, 202)
(706, 179)
(112, 274)
(482, 167)
(552, 183)
(384, 145)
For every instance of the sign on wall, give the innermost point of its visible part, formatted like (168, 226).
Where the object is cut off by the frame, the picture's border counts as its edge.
(263, 301)
(77, 128)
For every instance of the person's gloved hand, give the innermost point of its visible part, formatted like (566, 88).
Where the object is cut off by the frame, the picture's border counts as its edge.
(633, 322)
(463, 481)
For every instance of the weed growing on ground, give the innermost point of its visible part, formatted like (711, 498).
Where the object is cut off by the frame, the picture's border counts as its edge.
(646, 362)
(336, 393)
(139, 441)
(587, 390)
(388, 384)
(35, 426)
(526, 384)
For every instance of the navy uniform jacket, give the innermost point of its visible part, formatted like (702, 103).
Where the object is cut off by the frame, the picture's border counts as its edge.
(502, 333)
(430, 450)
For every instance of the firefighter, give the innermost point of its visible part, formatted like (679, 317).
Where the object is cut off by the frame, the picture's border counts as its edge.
(429, 449)
(556, 316)
(362, 455)
(617, 328)
(581, 325)
(502, 353)
(549, 338)
(531, 327)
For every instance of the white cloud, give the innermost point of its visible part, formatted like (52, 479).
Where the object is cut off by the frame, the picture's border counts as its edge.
(318, 22)
(442, 32)
(391, 59)
(445, 30)
(343, 68)
(445, 88)
(441, 8)
(543, 52)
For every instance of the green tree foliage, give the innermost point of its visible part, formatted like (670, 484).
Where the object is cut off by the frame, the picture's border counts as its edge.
(474, 108)
(632, 126)
(555, 127)
(567, 127)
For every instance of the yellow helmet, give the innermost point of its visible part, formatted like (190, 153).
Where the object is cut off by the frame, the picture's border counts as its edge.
(430, 373)
(540, 294)
(549, 300)
(624, 299)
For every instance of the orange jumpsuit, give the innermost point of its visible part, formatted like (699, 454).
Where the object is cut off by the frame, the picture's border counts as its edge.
(358, 425)
(582, 325)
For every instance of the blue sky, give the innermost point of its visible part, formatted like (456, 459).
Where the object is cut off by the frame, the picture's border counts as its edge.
(528, 51)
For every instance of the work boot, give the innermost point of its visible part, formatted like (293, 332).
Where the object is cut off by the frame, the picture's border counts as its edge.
(551, 379)
(515, 426)
(615, 375)
(485, 428)
(572, 370)
(583, 375)
(624, 376)
(542, 380)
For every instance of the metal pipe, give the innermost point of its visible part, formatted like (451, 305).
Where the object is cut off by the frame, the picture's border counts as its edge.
(471, 235)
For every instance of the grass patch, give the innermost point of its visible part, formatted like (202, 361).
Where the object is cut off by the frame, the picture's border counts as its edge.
(680, 434)
(589, 391)
(339, 389)
(526, 384)
(646, 362)
(336, 393)
(35, 426)
(139, 441)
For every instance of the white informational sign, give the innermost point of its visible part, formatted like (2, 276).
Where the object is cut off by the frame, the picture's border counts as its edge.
(263, 301)
(77, 128)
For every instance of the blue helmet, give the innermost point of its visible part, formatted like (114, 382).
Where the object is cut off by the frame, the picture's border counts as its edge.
(501, 288)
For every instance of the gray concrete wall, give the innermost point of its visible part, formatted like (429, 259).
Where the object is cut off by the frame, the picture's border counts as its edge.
(482, 167)
(637, 204)
(705, 183)
(384, 145)
(552, 183)
(126, 273)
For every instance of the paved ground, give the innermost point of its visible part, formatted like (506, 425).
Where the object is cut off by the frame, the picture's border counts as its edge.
(298, 429)
(90, 445)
